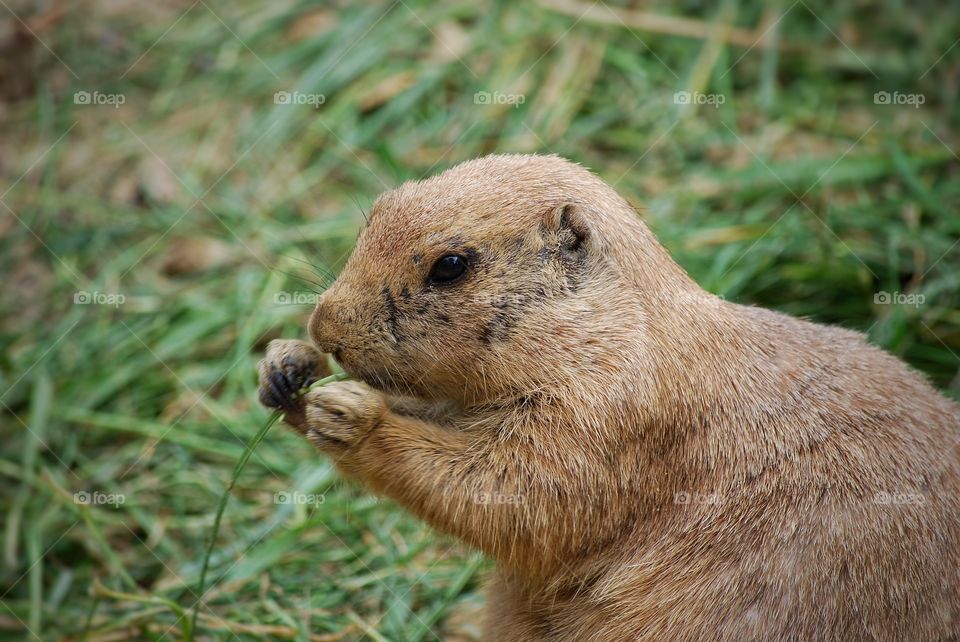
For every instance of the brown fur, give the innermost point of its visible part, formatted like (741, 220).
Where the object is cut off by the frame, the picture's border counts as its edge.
(643, 460)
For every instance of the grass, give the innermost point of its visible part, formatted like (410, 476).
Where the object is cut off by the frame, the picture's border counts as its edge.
(237, 469)
(206, 206)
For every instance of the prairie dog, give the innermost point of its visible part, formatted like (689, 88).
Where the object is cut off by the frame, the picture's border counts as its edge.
(644, 461)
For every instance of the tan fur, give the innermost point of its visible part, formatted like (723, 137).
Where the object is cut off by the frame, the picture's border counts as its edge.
(643, 460)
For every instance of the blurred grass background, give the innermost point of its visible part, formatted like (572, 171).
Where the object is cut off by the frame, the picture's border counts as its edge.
(151, 248)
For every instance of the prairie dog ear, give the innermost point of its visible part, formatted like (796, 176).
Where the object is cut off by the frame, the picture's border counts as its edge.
(567, 225)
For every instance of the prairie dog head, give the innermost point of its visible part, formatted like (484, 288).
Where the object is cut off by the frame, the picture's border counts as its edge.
(501, 276)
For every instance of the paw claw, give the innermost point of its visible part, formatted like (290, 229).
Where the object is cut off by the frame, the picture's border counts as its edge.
(283, 390)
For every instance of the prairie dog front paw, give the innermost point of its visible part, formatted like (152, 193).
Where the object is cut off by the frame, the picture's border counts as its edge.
(289, 366)
(339, 415)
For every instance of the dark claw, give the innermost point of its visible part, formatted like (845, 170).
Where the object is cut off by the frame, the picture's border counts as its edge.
(280, 383)
(293, 373)
(295, 379)
(279, 401)
(283, 391)
(271, 398)
(267, 398)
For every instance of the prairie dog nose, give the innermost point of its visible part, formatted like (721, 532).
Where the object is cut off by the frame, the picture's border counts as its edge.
(324, 328)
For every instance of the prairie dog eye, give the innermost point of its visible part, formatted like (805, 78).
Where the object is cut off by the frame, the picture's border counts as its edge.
(448, 269)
